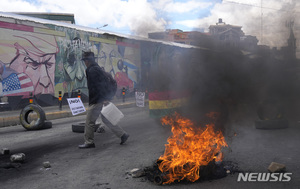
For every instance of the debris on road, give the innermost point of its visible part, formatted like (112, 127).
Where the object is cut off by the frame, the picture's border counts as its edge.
(20, 157)
(276, 167)
(46, 164)
(136, 172)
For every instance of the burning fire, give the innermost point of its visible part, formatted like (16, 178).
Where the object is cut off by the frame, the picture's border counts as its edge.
(189, 148)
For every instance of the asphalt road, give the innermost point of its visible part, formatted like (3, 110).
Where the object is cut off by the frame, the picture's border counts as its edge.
(106, 166)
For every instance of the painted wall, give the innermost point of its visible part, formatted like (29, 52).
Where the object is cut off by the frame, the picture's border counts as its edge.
(44, 59)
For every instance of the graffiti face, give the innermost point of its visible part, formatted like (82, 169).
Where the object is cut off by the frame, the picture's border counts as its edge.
(73, 68)
(36, 62)
(39, 68)
(109, 58)
(122, 69)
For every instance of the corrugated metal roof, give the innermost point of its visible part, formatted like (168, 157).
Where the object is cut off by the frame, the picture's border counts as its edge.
(88, 29)
(66, 17)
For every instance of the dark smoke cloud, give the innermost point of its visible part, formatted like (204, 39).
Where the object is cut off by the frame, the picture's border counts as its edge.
(221, 80)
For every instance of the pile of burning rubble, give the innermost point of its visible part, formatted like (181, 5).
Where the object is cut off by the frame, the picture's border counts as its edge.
(214, 170)
(192, 154)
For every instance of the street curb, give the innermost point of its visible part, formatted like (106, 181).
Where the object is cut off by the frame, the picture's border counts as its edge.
(9, 121)
(15, 120)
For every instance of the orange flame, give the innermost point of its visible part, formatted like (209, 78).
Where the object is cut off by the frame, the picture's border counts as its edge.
(189, 148)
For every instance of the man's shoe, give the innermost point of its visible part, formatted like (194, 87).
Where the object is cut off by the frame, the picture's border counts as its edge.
(124, 137)
(86, 146)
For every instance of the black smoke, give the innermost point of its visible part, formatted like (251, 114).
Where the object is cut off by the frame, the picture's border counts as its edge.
(221, 81)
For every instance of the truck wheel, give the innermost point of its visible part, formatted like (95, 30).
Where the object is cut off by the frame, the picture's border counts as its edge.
(79, 128)
(32, 117)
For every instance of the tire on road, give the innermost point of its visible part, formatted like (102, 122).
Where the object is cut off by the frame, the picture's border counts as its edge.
(270, 110)
(79, 128)
(34, 124)
(271, 124)
(47, 125)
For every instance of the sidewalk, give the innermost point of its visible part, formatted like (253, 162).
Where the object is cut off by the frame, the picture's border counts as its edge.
(10, 118)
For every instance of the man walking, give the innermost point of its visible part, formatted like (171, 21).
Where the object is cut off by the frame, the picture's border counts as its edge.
(97, 98)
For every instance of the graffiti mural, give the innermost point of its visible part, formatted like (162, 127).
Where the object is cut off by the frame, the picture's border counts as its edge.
(28, 63)
(43, 60)
(70, 71)
(118, 60)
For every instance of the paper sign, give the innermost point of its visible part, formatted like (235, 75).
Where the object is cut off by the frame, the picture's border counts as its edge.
(140, 99)
(76, 105)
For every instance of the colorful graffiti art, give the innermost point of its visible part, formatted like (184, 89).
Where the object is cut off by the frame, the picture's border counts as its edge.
(44, 60)
(118, 60)
(28, 62)
(70, 74)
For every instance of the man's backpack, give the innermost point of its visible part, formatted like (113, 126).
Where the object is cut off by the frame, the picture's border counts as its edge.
(110, 85)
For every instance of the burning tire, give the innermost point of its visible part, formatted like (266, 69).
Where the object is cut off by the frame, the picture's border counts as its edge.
(271, 124)
(33, 117)
(159, 179)
(79, 128)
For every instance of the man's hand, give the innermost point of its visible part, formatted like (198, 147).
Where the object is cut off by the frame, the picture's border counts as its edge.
(105, 103)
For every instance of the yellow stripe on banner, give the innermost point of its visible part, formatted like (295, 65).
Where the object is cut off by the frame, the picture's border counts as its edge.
(50, 32)
(167, 104)
(102, 40)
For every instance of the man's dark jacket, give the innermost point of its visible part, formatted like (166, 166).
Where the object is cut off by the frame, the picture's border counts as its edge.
(96, 84)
